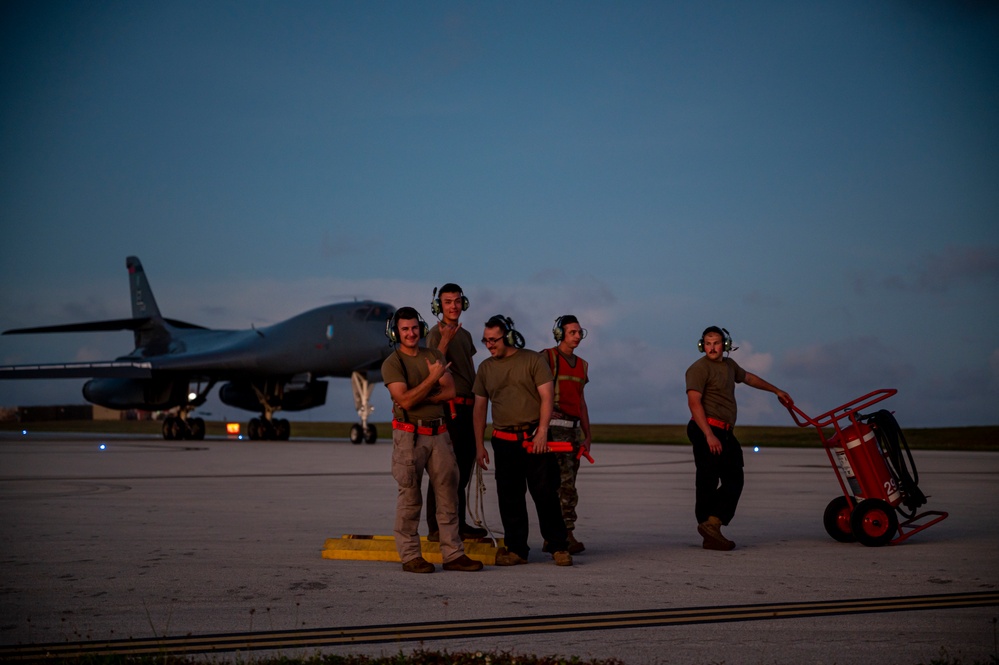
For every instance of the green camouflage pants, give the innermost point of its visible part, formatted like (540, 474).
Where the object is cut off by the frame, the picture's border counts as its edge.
(568, 466)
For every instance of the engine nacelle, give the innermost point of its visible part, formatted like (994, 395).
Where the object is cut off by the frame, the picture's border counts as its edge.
(289, 397)
(146, 394)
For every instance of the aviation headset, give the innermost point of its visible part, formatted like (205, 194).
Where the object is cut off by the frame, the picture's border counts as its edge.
(558, 331)
(392, 323)
(435, 305)
(726, 339)
(510, 336)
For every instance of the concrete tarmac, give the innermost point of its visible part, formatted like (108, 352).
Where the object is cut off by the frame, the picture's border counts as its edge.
(113, 538)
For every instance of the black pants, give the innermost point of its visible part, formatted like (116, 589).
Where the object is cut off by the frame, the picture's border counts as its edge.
(518, 472)
(720, 478)
(463, 441)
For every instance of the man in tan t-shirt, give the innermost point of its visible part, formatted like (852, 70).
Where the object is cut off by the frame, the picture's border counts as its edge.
(518, 382)
(717, 453)
(420, 384)
(451, 339)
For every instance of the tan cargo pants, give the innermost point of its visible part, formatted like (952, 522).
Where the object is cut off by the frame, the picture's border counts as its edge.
(411, 455)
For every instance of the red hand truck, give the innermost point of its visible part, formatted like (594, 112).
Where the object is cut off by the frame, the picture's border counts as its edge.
(875, 478)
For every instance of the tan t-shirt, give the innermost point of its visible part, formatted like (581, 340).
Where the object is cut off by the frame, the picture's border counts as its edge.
(412, 371)
(716, 383)
(511, 384)
(459, 354)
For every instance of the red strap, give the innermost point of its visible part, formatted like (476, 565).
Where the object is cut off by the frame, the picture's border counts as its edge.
(425, 431)
(511, 436)
(720, 424)
(405, 427)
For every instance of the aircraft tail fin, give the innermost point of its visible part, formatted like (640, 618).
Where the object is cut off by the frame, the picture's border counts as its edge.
(143, 303)
(151, 332)
(146, 322)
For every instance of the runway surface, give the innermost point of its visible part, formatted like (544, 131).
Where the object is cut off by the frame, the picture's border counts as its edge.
(214, 546)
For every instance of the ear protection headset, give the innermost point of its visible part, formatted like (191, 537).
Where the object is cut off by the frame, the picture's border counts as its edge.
(510, 336)
(558, 332)
(392, 324)
(726, 339)
(435, 305)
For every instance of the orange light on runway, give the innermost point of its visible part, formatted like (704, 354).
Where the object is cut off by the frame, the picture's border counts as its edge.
(232, 429)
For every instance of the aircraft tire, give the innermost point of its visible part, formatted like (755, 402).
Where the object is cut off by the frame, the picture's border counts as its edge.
(253, 429)
(196, 429)
(282, 429)
(356, 434)
(370, 434)
(173, 428)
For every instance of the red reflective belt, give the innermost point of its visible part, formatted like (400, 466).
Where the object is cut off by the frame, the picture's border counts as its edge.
(464, 401)
(512, 436)
(425, 431)
(720, 424)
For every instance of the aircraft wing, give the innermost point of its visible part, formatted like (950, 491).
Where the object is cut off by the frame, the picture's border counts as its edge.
(118, 369)
(98, 326)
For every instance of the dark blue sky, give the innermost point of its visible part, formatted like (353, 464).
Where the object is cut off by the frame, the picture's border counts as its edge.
(817, 177)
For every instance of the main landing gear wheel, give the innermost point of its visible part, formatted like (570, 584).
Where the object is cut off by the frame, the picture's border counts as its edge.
(837, 520)
(370, 434)
(261, 429)
(874, 522)
(176, 428)
(196, 428)
(173, 428)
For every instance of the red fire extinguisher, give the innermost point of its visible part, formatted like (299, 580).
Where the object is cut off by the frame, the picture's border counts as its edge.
(861, 463)
(875, 471)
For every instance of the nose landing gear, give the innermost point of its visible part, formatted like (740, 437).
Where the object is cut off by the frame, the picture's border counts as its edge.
(366, 433)
(362, 431)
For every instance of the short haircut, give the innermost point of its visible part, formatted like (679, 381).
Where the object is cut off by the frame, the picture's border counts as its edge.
(566, 319)
(498, 321)
(450, 287)
(406, 313)
(713, 329)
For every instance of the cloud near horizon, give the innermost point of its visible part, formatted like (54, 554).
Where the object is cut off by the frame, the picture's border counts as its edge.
(635, 377)
(939, 272)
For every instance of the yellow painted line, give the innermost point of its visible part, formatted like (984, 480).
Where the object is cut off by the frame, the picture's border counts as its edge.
(477, 628)
(382, 548)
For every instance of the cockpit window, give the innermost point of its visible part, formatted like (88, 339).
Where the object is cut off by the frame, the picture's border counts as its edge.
(372, 313)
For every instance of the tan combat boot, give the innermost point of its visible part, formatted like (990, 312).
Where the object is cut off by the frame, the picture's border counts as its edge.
(575, 547)
(710, 530)
(562, 558)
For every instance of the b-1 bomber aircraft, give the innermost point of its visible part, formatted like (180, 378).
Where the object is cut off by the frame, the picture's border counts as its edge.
(175, 364)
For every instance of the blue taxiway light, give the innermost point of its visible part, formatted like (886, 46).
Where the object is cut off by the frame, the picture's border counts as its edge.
(103, 446)
(756, 449)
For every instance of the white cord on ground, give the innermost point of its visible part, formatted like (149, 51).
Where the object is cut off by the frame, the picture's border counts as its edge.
(476, 508)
